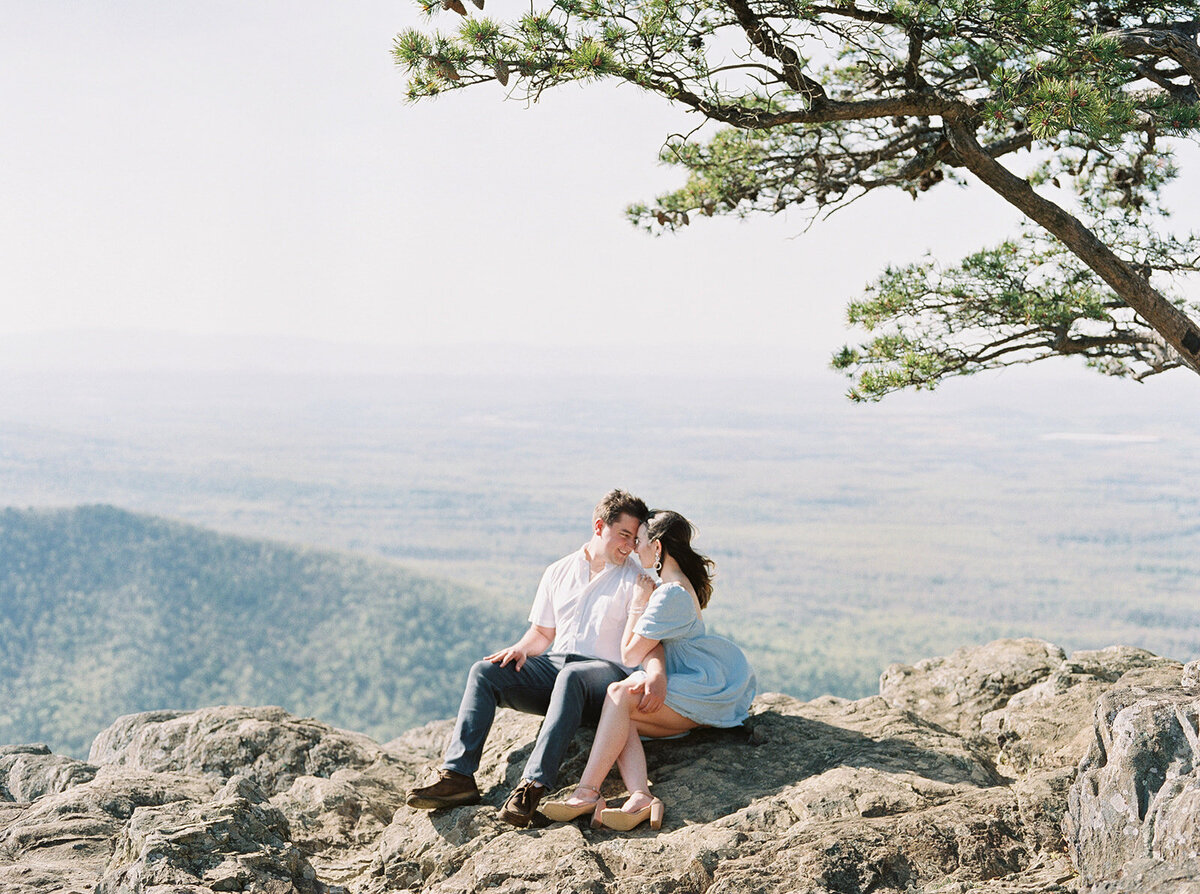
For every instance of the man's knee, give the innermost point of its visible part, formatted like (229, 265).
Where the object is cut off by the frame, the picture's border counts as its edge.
(582, 678)
(484, 671)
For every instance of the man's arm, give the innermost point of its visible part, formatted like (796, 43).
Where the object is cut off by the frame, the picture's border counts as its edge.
(535, 641)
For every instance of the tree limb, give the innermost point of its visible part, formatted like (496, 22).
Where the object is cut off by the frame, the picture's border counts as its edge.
(1172, 323)
(1161, 42)
(849, 11)
(772, 44)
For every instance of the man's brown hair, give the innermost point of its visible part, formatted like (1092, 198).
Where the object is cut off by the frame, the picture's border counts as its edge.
(616, 503)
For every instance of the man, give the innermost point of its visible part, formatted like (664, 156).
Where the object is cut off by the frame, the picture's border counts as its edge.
(560, 668)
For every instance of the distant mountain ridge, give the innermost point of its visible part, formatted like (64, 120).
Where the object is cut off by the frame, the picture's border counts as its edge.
(106, 612)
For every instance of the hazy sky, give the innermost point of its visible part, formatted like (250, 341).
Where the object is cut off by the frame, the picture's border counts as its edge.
(246, 169)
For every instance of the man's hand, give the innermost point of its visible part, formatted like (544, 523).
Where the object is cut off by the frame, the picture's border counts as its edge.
(535, 641)
(515, 654)
(653, 690)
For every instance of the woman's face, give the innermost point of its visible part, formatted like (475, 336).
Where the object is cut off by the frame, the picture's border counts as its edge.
(647, 551)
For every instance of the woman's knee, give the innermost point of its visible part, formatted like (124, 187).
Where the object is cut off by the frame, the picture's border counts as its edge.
(619, 693)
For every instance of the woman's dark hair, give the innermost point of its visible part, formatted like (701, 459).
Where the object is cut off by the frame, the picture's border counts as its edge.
(675, 533)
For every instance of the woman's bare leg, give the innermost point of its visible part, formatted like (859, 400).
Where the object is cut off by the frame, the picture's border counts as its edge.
(612, 736)
(621, 723)
(662, 723)
(634, 774)
(632, 763)
(632, 760)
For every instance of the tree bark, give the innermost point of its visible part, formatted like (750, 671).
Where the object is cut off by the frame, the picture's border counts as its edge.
(1179, 331)
(1165, 42)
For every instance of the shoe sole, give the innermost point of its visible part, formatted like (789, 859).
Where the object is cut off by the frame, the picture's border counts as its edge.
(565, 813)
(439, 803)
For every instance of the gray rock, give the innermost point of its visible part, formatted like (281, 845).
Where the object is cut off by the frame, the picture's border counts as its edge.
(1149, 876)
(235, 842)
(1191, 675)
(1114, 662)
(28, 772)
(861, 780)
(1048, 724)
(62, 841)
(1138, 793)
(958, 690)
(267, 745)
(957, 778)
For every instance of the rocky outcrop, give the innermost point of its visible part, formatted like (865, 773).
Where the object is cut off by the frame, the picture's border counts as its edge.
(1134, 818)
(27, 772)
(990, 770)
(956, 691)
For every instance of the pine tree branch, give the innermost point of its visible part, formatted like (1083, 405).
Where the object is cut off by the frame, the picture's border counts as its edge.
(849, 11)
(771, 43)
(1174, 325)
(1166, 42)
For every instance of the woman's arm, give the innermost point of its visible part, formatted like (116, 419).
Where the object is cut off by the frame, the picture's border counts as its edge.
(654, 689)
(635, 648)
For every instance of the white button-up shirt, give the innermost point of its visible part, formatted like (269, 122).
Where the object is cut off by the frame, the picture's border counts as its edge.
(587, 613)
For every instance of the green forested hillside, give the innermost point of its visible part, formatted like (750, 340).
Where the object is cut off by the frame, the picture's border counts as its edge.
(103, 613)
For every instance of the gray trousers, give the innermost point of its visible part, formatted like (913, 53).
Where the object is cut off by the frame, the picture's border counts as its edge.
(568, 689)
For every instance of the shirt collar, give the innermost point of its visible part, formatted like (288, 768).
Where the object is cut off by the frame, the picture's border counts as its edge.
(583, 557)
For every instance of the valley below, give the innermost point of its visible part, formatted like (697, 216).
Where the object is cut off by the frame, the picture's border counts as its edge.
(846, 537)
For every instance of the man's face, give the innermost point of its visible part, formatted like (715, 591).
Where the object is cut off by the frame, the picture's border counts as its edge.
(617, 539)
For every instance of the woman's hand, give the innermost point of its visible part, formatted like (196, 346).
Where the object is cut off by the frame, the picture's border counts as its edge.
(642, 590)
(654, 691)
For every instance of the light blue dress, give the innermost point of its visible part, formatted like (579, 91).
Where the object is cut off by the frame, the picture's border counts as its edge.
(709, 680)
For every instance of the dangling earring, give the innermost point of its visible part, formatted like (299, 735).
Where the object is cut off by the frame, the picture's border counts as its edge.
(658, 562)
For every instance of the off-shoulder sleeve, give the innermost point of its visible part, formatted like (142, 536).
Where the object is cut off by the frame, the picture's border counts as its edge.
(670, 613)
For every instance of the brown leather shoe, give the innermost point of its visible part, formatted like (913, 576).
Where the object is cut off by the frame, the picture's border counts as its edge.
(522, 803)
(451, 790)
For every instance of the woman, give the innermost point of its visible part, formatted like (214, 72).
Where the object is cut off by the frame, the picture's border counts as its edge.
(709, 681)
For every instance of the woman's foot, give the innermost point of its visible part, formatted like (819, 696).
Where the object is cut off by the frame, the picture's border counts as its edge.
(637, 802)
(631, 815)
(584, 799)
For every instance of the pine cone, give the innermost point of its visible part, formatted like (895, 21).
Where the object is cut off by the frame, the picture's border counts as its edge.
(501, 71)
(478, 3)
(448, 71)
